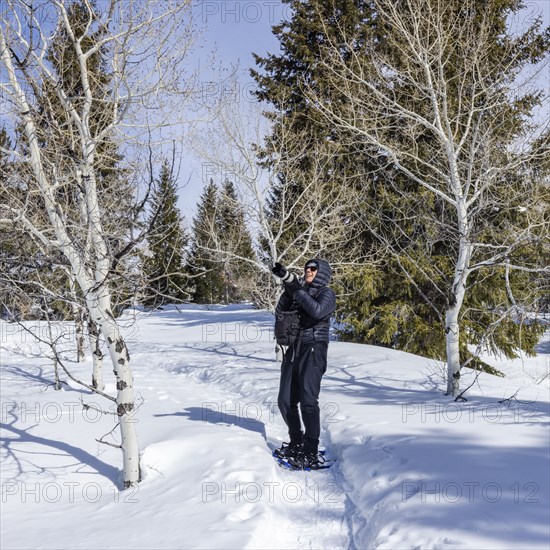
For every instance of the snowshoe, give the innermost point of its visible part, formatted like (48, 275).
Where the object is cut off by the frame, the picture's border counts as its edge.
(307, 462)
(288, 450)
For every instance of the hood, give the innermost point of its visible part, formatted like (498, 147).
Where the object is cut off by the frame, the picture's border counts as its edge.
(324, 273)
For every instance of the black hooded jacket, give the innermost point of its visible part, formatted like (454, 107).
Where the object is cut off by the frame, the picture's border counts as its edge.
(315, 303)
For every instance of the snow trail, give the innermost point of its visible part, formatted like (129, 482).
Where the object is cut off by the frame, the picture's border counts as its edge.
(306, 510)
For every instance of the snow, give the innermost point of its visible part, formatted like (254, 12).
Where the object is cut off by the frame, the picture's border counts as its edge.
(414, 469)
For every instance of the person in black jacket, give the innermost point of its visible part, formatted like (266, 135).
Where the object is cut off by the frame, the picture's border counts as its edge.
(305, 361)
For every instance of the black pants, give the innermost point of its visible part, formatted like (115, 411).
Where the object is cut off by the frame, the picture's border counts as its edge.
(300, 384)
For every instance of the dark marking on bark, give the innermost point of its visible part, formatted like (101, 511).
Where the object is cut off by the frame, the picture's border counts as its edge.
(119, 346)
(94, 382)
(456, 375)
(115, 373)
(124, 408)
(120, 385)
(109, 340)
(110, 314)
(93, 328)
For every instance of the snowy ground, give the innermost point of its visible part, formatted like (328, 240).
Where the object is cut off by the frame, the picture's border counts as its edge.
(413, 470)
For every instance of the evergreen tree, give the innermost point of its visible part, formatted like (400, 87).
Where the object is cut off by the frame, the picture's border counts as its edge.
(167, 239)
(221, 249)
(322, 166)
(236, 243)
(26, 267)
(8, 244)
(5, 164)
(205, 263)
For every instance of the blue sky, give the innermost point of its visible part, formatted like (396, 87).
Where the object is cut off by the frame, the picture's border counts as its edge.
(238, 27)
(230, 30)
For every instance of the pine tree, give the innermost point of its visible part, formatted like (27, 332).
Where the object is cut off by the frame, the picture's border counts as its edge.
(236, 243)
(205, 264)
(5, 164)
(25, 266)
(221, 256)
(164, 267)
(9, 244)
(335, 170)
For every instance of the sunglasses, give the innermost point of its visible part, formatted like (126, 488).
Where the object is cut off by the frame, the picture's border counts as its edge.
(311, 267)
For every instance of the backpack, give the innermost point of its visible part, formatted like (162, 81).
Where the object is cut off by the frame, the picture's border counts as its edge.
(287, 327)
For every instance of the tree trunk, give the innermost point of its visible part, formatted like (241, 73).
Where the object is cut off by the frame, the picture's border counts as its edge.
(458, 291)
(53, 347)
(79, 319)
(99, 305)
(452, 333)
(97, 356)
(79, 328)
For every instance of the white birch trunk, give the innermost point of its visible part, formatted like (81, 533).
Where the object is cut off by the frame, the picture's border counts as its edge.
(79, 328)
(452, 332)
(52, 343)
(97, 356)
(99, 306)
(452, 329)
(78, 317)
(100, 310)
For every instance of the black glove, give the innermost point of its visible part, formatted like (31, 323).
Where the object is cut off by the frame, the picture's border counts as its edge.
(289, 279)
(292, 283)
(280, 271)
